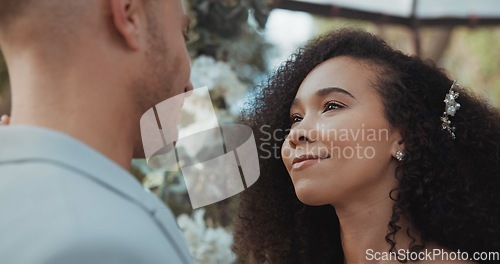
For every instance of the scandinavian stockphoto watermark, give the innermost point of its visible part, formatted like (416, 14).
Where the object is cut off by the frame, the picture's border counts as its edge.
(341, 143)
(430, 255)
(183, 134)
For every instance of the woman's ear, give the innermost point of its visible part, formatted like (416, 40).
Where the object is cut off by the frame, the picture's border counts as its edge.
(398, 148)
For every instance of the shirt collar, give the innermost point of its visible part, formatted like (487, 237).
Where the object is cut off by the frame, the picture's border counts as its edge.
(24, 143)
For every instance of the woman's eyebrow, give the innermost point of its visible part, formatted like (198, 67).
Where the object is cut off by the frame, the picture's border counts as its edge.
(328, 90)
(324, 92)
(295, 101)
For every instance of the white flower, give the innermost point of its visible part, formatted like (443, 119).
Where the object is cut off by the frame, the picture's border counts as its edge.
(207, 245)
(221, 80)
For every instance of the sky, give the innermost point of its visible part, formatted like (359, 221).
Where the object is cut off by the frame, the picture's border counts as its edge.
(287, 30)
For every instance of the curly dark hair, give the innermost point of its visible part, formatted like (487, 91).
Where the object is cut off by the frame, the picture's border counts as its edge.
(449, 190)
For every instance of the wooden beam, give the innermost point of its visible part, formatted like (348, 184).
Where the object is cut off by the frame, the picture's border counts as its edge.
(415, 28)
(337, 11)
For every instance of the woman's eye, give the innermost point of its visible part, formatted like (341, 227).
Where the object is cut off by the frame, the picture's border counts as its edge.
(295, 118)
(332, 105)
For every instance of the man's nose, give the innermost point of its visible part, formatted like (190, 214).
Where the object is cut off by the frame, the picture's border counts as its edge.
(189, 87)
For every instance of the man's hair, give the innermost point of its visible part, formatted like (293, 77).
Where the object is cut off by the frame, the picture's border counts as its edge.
(44, 19)
(10, 10)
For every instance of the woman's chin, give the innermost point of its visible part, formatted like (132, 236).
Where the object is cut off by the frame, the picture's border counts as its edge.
(310, 197)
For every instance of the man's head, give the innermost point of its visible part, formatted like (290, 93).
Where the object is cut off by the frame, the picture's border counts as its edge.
(133, 50)
(143, 40)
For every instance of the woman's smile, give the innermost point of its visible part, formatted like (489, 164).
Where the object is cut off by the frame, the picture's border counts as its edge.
(304, 161)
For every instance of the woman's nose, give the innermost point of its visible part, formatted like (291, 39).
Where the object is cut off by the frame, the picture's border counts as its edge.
(301, 135)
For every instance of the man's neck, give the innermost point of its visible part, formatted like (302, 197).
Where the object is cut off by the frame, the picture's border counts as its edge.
(91, 110)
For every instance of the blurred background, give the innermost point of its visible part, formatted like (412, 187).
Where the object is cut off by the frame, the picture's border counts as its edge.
(235, 44)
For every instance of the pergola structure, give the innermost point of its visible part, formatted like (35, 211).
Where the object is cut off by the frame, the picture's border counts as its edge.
(414, 14)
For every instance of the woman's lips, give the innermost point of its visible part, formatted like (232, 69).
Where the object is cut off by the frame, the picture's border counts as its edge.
(304, 161)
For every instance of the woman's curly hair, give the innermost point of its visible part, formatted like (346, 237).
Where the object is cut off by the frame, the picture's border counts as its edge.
(449, 190)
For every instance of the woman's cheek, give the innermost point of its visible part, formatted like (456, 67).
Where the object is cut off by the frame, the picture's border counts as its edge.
(286, 154)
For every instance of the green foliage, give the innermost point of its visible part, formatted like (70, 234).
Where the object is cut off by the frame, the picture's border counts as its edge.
(228, 18)
(484, 44)
(214, 21)
(4, 78)
(473, 57)
(4, 88)
(230, 31)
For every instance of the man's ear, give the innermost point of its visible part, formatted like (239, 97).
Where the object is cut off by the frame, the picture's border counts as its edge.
(127, 21)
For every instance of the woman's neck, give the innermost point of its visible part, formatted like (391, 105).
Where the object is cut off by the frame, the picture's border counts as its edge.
(364, 227)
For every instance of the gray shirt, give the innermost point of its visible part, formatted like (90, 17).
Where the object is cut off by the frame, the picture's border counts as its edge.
(63, 202)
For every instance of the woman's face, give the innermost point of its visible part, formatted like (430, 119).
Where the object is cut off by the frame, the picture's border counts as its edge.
(340, 148)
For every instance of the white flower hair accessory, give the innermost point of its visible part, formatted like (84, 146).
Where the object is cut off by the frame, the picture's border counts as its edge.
(451, 108)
